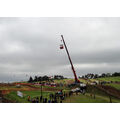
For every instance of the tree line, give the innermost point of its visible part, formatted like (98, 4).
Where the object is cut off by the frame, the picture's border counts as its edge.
(45, 78)
(94, 76)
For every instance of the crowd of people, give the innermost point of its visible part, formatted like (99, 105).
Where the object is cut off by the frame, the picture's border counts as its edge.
(57, 97)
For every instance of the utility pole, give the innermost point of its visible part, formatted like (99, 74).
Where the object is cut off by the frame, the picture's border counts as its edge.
(41, 90)
(73, 69)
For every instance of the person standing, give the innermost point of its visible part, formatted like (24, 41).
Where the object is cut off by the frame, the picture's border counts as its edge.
(28, 98)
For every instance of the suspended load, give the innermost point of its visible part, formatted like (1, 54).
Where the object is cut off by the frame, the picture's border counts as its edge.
(61, 46)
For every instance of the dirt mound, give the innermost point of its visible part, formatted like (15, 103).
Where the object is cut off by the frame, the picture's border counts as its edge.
(110, 90)
(51, 89)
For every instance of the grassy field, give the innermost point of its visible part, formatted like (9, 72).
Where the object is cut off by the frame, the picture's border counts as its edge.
(84, 99)
(88, 99)
(67, 81)
(117, 86)
(113, 79)
(64, 81)
(109, 79)
(14, 88)
(13, 96)
(100, 96)
(36, 94)
(34, 91)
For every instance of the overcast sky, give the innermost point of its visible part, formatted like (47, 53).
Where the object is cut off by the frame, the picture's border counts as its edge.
(30, 46)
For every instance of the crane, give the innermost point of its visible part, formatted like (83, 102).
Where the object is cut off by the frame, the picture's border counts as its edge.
(73, 69)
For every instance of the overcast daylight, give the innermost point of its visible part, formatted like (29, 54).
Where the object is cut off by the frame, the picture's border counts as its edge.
(30, 46)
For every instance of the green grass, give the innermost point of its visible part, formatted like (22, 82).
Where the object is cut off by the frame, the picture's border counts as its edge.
(95, 90)
(13, 96)
(85, 99)
(88, 99)
(109, 79)
(36, 94)
(100, 96)
(100, 93)
(13, 87)
(63, 81)
(115, 85)
(82, 80)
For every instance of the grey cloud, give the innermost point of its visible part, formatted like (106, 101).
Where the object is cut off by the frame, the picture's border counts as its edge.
(31, 46)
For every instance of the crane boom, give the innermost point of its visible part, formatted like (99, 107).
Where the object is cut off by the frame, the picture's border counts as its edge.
(73, 69)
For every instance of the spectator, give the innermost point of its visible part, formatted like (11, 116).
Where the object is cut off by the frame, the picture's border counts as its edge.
(45, 100)
(41, 98)
(37, 99)
(28, 98)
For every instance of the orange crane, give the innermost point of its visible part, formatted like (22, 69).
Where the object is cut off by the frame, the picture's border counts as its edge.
(73, 69)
